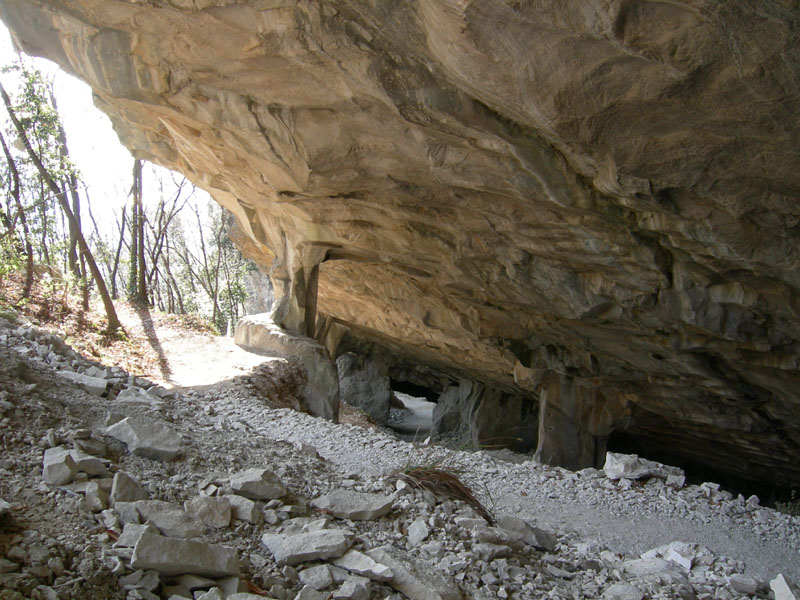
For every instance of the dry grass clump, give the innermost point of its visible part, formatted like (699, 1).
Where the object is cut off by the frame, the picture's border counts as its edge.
(443, 484)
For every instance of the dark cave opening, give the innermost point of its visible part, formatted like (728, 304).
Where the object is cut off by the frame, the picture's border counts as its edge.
(414, 389)
(697, 472)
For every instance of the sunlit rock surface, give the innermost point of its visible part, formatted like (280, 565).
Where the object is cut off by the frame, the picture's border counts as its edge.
(590, 208)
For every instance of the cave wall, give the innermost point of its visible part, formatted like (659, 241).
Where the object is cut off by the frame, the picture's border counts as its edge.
(540, 196)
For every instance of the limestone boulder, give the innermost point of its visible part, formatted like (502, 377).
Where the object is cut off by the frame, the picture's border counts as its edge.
(321, 392)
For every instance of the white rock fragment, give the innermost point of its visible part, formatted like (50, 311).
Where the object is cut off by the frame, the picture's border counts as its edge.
(630, 466)
(96, 497)
(5, 508)
(212, 511)
(170, 556)
(319, 577)
(782, 588)
(257, 484)
(302, 547)
(93, 385)
(125, 488)
(531, 535)
(676, 481)
(418, 532)
(489, 552)
(132, 532)
(622, 591)
(743, 584)
(353, 589)
(58, 466)
(139, 397)
(357, 506)
(680, 554)
(171, 520)
(415, 579)
(245, 509)
(213, 594)
(645, 567)
(361, 564)
(91, 465)
(146, 438)
(309, 593)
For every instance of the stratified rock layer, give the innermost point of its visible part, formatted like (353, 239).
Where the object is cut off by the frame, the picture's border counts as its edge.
(589, 206)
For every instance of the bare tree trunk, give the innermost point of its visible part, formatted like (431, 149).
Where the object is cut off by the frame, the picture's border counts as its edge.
(26, 237)
(113, 320)
(139, 274)
(115, 268)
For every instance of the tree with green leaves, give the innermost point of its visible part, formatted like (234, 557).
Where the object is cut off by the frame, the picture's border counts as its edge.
(43, 144)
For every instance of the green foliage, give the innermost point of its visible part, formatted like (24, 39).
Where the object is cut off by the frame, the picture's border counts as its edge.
(10, 258)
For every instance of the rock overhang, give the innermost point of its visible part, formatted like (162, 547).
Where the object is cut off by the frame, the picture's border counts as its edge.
(592, 207)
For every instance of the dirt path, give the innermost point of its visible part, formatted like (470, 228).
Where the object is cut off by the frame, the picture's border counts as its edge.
(187, 358)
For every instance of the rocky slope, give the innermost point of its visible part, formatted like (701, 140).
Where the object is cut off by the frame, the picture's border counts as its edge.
(113, 487)
(586, 211)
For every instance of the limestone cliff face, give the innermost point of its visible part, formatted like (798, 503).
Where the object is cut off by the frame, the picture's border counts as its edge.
(590, 206)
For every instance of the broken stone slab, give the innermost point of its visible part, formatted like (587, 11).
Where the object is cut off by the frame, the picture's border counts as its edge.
(132, 532)
(415, 579)
(146, 438)
(245, 509)
(783, 589)
(356, 588)
(125, 488)
(91, 465)
(93, 385)
(361, 564)
(213, 594)
(58, 466)
(212, 511)
(630, 466)
(321, 392)
(303, 547)
(498, 536)
(743, 584)
(418, 532)
(356, 506)
(309, 593)
(94, 371)
(96, 497)
(257, 484)
(127, 512)
(140, 580)
(650, 566)
(139, 397)
(171, 556)
(170, 519)
(622, 591)
(231, 585)
(489, 552)
(185, 585)
(531, 535)
(319, 577)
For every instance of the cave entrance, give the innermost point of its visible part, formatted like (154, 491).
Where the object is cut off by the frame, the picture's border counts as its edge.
(411, 410)
(646, 445)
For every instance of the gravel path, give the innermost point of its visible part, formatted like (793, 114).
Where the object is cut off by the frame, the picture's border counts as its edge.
(586, 505)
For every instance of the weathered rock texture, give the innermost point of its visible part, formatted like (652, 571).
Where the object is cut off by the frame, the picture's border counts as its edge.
(590, 206)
